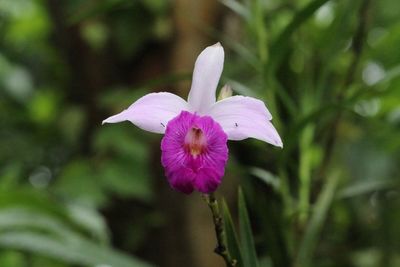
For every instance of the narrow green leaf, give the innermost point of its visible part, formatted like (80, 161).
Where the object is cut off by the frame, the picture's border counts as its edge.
(237, 7)
(366, 187)
(267, 177)
(246, 235)
(317, 220)
(231, 236)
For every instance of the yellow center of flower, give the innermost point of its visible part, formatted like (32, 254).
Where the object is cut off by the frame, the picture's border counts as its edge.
(195, 141)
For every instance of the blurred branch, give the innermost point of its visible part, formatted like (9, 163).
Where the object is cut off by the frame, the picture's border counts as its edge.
(357, 48)
(277, 53)
(279, 47)
(357, 45)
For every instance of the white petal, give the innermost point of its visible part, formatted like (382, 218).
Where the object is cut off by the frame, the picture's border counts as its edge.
(152, 112)
(206, 74)
(242, 117)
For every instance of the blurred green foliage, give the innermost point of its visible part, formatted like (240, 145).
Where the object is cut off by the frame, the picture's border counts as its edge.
(329, 71)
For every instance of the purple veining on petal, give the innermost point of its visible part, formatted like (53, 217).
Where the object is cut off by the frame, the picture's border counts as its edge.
(194, 153)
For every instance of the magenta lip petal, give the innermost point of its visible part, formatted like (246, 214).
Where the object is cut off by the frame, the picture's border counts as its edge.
(185, 170)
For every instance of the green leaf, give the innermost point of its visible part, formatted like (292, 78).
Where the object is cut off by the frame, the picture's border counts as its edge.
(23, 218)
(78, 179)
(90, 220)
(237, 7)
(127, 180)
(246, 235)
(231, 236)
(40, 233)
(317, 220)
(279, 47)
(30, 203)
(80, 252)
(33, 199)
(364, 187)
(267, 177)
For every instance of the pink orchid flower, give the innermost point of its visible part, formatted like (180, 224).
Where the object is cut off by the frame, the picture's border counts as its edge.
(194, 147)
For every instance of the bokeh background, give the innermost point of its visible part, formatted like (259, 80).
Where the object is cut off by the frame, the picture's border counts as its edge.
(75, 193)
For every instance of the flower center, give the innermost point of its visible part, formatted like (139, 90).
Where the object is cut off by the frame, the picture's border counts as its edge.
(195, 141)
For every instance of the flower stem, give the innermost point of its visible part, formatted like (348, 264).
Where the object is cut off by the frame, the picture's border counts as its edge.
(222, 248)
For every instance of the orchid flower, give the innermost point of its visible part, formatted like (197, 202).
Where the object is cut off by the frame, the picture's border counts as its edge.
(194, 147)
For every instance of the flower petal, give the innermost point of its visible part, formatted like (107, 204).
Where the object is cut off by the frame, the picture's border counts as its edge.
(152, 112)
(242, 117)
(206, 74)
(187, 171)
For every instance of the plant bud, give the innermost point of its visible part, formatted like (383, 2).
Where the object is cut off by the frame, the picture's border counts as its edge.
(225, 92)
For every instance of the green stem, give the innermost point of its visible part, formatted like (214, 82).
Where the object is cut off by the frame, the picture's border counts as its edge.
(222, 248)
(305, 166)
